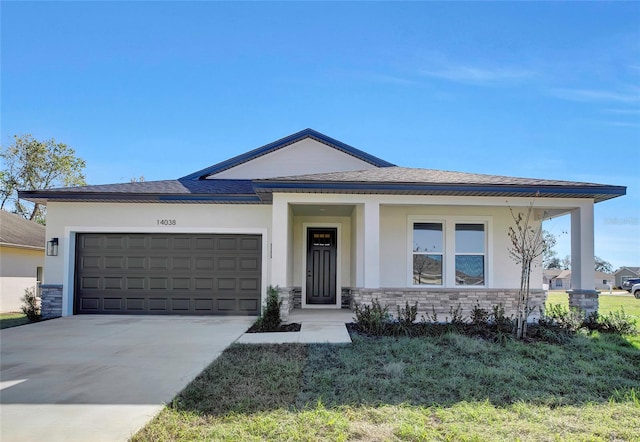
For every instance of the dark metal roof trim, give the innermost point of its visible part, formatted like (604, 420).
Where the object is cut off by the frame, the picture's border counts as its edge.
(43, 196)
(599, 193)
(283, 142)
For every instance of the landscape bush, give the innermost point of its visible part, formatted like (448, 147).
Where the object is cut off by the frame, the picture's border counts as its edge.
(30, 304)
(270, 319)
(557, 324)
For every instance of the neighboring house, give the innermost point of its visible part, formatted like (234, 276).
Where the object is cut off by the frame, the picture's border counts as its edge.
(548, 277)
(326, 223)
(21, 258)
(624, 273)
(561, 279)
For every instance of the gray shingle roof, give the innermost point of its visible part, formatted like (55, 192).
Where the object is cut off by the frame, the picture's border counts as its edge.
(384, 179)
(422, 176)
(152, 191)
(17, 231)
(410, 181)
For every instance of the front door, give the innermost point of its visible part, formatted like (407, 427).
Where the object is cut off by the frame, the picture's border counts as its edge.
(321, 265)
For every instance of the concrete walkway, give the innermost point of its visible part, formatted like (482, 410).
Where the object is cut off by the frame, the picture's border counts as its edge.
(101, 378)
(318, 327)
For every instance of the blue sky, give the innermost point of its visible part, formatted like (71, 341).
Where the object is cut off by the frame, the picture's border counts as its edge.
(545, 90)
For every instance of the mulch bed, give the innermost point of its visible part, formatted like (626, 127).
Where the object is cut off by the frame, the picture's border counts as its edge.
(293, 327)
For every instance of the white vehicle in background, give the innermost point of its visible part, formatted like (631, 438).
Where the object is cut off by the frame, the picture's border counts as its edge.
(635, 290)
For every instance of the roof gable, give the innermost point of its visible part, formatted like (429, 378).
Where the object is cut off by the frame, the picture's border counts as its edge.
(307, 151)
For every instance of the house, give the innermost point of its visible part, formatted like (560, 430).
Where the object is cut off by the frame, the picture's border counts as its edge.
(549, 276)
(21, 259)
(326, 223)
(624, 273)
(561, 279)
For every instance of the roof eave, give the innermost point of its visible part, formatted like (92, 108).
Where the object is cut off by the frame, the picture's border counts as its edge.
(42, 197)
(598, 193)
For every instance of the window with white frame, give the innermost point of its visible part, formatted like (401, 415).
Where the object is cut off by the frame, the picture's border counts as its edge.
(449, 252)
(470, 253)
(428, 249)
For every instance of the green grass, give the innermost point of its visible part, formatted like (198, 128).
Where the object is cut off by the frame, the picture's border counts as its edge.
(12, 320)
(607, 303)
(446, 388)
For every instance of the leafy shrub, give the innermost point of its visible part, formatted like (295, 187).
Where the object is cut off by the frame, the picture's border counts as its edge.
(559, 317)
(30, 305)
(502, 323)
(372, 319)
(457, 322)
(615, 322)
(408, 314)
(270, 319)
(480, 317)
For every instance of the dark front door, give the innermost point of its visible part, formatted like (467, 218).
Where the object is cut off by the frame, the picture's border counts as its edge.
(321, 265)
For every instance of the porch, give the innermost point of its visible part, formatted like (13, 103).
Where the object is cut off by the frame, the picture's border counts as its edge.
(374, 252)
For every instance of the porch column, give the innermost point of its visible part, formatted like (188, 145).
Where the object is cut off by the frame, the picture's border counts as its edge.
(582, 293)
(279, 242)
(371, 244)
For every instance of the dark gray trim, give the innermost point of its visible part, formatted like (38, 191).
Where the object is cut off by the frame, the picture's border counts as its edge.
(598, 193)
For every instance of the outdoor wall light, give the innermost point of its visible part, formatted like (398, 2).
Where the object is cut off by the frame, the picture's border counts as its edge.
(52, 247)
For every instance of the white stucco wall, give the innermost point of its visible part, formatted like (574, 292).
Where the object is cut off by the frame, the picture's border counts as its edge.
(66, 219)
(301, 158)
(18, 269)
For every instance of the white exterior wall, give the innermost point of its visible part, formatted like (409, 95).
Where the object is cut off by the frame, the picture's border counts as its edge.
(304, 157)
(66, 219)
(18, 269)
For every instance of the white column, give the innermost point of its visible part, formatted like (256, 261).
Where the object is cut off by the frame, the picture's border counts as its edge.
(582, 250)
(371, 244)
(358, 266)
(279, 242)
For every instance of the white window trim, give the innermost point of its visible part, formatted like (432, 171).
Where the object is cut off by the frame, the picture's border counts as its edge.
(449, 252)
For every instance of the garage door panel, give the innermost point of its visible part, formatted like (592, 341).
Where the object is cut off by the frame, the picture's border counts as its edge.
(203, 305)
(248, 305)
(168, 274)
(90, 304)
(112, 304)
(88, 283)
(180, 304)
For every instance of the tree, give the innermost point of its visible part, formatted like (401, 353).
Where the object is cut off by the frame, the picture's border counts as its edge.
(602, 266)
(29, 164)
(527, 245)
(566, 263)
(549, 256)
(554, 263)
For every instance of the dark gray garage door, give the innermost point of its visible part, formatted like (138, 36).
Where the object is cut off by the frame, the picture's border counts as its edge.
(180, 274)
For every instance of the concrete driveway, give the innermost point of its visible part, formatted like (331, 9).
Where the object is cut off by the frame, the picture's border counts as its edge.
(101, 377)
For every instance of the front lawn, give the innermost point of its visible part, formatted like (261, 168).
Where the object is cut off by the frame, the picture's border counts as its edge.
(607, 303)
(12, 320)
(450, 387)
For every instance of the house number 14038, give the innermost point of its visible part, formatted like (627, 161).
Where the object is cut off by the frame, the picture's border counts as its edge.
(166, 222)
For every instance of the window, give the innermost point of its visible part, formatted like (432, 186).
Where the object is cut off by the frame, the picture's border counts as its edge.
(558, 282)
(470, 254)
(449, 251)
(428, 250)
